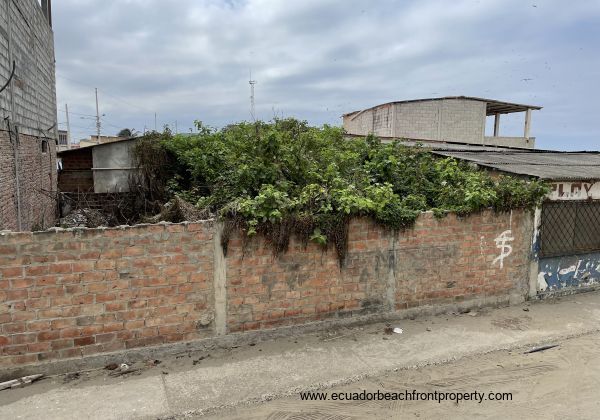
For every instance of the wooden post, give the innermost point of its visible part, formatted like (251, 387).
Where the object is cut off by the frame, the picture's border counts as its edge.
(527, 122)
(496, 125)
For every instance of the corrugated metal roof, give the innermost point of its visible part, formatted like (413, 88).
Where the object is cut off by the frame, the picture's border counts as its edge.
(544, 164)
(441, 144)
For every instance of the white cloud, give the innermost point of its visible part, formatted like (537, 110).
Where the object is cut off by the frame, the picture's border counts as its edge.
(316, 59)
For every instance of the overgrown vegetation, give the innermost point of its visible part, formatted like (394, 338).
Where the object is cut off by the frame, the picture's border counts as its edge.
(285, 177)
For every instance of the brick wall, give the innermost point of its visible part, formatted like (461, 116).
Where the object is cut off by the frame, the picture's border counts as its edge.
(77, 293)
(439, 261)
(72, 293)
(29, 103)
(76, 173)
(37, 182)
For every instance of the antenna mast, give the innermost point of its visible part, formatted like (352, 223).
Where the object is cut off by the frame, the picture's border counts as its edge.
(98, 123)
(252, 108)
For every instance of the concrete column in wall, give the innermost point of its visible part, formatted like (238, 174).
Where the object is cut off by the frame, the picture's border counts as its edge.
(496, 125)
(394, 120)
(534, 262)
(527, 123)
(220, 281)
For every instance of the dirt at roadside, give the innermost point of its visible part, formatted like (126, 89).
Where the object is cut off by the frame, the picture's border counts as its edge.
(561, 382)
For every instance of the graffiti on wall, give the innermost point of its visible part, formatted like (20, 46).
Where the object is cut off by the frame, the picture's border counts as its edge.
(505, 249)
(574, 271)
(575, 190)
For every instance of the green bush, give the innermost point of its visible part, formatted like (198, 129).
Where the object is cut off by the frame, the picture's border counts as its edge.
(287, 177)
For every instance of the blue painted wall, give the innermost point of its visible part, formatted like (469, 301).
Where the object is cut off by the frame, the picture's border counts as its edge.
(574, 271)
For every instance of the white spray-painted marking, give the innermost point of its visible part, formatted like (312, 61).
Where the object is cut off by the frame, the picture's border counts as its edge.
(541, 282)
(577, 269)
(567, 270)
(481, 240)
(505, 248)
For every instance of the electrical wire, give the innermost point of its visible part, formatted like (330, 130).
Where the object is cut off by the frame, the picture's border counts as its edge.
(12, 74)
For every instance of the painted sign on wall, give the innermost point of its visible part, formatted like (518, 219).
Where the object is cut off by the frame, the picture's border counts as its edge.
(575, 191)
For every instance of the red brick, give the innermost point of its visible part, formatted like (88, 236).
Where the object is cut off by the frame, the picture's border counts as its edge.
(60, 268)
(84, 341)
(48, 335)
(11, 272)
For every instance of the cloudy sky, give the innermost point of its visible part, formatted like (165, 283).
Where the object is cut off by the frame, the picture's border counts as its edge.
(317, 59)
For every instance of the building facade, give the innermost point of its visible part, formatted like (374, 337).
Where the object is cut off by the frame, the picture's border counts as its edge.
(459, 119)
(101, 168)
(28, 121)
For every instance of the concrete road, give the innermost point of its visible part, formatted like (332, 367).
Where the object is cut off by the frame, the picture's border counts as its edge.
(476, 352)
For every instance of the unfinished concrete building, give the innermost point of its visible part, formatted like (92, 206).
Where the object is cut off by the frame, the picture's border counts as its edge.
(459, 119)
(28, 131)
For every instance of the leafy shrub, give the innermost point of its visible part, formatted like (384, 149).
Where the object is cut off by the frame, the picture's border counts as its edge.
(287, 177)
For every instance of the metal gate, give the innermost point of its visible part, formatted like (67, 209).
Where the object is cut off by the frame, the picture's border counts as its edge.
(569, 228)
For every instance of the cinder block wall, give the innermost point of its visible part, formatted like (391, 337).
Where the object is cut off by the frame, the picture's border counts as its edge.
(29, 103)
(459, 120)
(75, 293)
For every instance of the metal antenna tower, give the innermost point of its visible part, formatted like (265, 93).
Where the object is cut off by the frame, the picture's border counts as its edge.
(252, 107)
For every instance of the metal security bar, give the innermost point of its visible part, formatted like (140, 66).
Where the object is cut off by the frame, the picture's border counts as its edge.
(569, 227)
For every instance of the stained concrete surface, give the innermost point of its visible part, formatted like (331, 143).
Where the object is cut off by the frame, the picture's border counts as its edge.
(454, 351)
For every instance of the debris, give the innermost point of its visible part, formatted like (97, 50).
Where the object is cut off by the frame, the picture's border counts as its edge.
(472, 313)
(111, 366)
(18, 383)
(178, 210)
(541, 348)
(427, 329)
(90, 218)
(388, 330)
(124, 369)
(195, 362)
(252, 344)
(398, 330)
(71, 377)
(152, 363)
(526, 309)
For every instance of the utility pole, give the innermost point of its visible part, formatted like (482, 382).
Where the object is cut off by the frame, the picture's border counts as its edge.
(252, 108)
(68, 127)
(97, 117)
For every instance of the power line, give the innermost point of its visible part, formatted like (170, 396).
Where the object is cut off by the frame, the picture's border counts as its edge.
(105, 92)
(76, 113)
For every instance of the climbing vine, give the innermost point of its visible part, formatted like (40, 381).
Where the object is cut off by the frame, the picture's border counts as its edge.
(286, 177)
